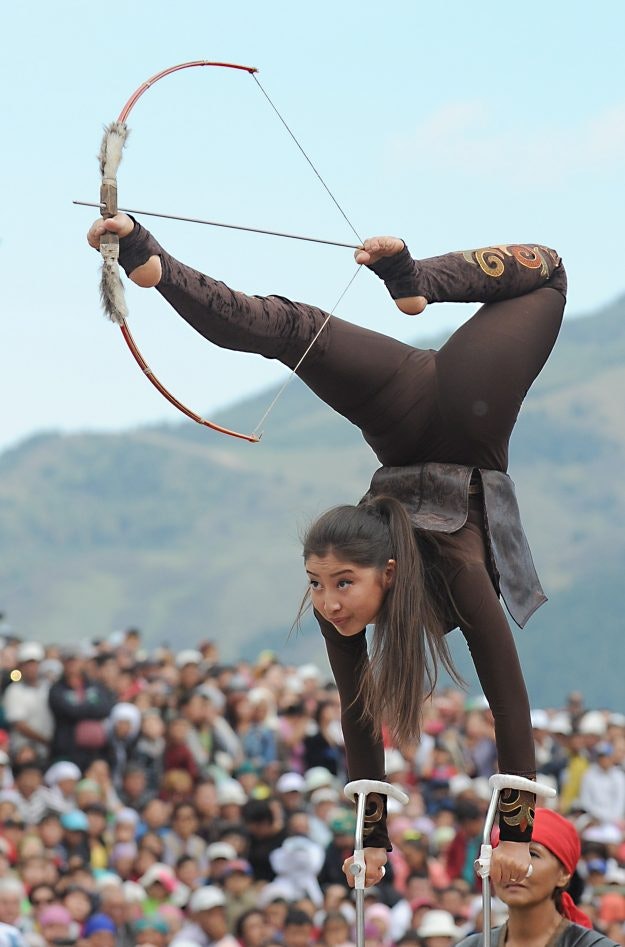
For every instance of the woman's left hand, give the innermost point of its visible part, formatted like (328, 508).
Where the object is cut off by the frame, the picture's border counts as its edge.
(375, 860)
(375, 248)
(510, 862)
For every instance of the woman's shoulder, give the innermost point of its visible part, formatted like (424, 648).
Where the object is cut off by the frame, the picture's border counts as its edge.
(574, 935)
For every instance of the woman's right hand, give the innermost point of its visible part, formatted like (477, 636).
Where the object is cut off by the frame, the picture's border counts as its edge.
(121, 224)
(375, 860)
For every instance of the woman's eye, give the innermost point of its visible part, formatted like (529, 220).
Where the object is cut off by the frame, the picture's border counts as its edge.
(314, 585)
(343, 583)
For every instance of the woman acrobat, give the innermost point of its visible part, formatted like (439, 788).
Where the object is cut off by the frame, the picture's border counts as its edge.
(442, 532)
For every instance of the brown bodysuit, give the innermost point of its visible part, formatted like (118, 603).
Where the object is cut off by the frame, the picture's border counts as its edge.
(457, 405)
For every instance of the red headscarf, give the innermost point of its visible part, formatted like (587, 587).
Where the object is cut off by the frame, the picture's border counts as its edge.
(558, 835)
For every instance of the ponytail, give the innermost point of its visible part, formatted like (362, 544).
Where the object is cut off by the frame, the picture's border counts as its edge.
(408, 642)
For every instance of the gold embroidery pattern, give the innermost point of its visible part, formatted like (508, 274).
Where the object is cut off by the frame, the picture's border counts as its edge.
(374, 810)
(517, 808)
(492, 260)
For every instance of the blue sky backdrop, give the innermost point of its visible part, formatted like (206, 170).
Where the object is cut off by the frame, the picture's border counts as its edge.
(450, 124)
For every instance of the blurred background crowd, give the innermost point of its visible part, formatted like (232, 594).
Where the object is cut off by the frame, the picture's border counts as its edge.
(167, 798)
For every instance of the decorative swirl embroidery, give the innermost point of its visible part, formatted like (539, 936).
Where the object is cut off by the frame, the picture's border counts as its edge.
(491, 260)
(374, 810)
(517, 808)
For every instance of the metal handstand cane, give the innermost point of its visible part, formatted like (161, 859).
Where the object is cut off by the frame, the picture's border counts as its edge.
(498, 783)
(357, 791)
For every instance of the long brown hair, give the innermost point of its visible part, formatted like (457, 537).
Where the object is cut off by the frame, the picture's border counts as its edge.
(408, 642)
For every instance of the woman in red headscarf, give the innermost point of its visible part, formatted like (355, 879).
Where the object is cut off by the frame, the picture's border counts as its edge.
(541, 912)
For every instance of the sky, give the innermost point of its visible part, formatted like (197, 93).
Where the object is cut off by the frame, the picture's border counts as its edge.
(452, 125)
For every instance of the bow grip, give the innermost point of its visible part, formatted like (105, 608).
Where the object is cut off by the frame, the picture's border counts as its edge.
(109, 242)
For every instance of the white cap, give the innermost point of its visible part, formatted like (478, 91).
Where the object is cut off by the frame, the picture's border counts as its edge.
(394, 762)
(316, 777)
(540, 719)
(133, 892)
(189, 656)
(325, 794)
(593, 723)
(438, 924)
(221, 850)
(561, 723)
(458, 783)
(30, 651)
(291, 782)
(206, 898)
(64, 769)
(230, 792)
(127, 815)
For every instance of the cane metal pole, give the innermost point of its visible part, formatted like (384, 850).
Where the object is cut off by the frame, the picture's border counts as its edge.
(357, 791)
(498, 783)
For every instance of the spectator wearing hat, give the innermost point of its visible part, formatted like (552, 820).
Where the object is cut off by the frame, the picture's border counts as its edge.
(182, 838)
(231, 799)
(219, 854)
(342, 825)
(321, 803)
(75, 842)
(61, 779)
(55, 925)
(79, 706)
(153, 931)
(437, 929)
(207, 925)
(602, 791)
(290, 789)
(98, 838)
(124, 724)
(161, 887)
(100, 931)
(25, 704)
(540, 908)
(237, 881)
(188, 665)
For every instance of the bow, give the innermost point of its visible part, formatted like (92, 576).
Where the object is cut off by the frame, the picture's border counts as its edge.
(111, 287)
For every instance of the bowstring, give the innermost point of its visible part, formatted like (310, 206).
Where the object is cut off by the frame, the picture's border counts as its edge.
(293, 371)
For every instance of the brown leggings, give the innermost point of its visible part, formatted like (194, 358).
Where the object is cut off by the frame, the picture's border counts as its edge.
(458, 405)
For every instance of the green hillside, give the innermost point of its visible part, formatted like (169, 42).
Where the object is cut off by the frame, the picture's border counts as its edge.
(188, 534)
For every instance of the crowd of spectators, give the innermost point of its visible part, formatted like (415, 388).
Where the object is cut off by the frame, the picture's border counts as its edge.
(167, 799)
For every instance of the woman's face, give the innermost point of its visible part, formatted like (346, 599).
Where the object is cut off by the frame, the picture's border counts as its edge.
(348, 595)
(547, 875)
